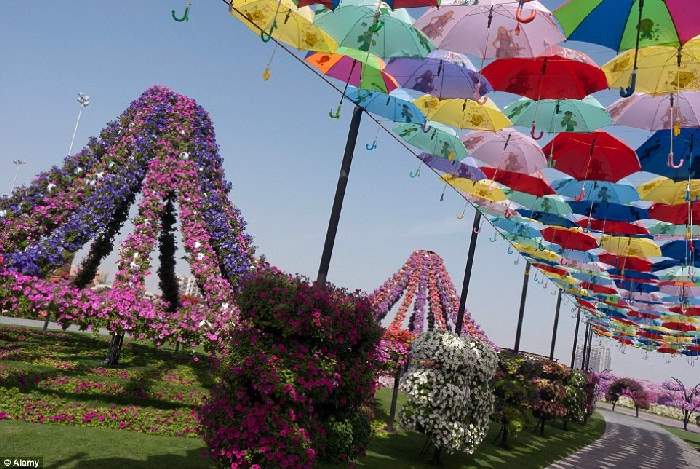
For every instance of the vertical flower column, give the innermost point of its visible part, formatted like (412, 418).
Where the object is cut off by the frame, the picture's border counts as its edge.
(400, 317)
(417, 320)
(436, 312)
(385, 297)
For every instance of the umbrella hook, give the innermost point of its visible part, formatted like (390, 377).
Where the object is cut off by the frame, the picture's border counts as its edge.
(372, 146)
(414, 174)
(494, 238)
(510, 249)
(521, 19)
(490, 19)
(533, 131)
(442, 195)
(671, 161)
(460, 215)
(517, 260)
(185, 16)
(426, 127)
(629, 91)
(505, 146)
(557, 108)
(336, 114)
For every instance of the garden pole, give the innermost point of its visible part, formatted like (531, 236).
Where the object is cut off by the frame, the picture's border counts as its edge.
(590, 343)
(339, 196)
(556, 325)
(585, 345)
(467, 272)
(573, 350)
(521, 312)
(394, 397)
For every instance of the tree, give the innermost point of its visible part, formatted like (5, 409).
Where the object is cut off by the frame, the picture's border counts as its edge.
(630, 388)
(682, 397)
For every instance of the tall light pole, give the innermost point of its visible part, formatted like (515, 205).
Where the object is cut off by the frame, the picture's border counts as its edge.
(18, 164)
(84, 101)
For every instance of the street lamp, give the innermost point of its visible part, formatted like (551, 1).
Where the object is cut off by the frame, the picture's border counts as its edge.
(18, 164)
(84, 101)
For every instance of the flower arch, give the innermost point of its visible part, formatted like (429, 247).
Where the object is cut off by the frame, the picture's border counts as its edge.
(163, 147)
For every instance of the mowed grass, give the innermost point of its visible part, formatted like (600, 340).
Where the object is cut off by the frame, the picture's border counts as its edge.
(165, 376)
(692, 438)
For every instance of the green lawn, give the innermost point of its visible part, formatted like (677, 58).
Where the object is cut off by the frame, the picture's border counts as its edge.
(59, 378)
(693, 439)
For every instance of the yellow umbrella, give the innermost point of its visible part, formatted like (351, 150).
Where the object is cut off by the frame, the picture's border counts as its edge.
(485, 190)
(463, 113)
(533, 251)
(285, 22)
(630, 247)
(667, 191)
(658, 69)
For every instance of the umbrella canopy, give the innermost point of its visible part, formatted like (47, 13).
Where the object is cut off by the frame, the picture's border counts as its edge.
(516, 226)
(596, 191)
(480, 190)
(387, 106)
(618, 228)
(559, 115)
(626, 262)
(680, 250)
(614, 23)
(671, 230)
(438, 140)
(678, 214)
(665, 190)
(545, 77)
(443, 74)
(284, 21)
(519, 181)
(374, 28)
(491, 29)
(593, 156)
(355, 67)
(552, 204)
(630, 247)
(658, 69)
(394, 4)
(656, 157)
(507, 149)
(657, 112)
(609, 211)
(570, 238)
(546, 218)
(463, 113)
(466, 168)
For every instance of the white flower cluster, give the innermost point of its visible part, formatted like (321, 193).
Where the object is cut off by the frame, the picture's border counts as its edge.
(448, 389)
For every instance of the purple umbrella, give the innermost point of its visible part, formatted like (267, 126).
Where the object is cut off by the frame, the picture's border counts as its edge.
(658, 112)
(456, 168)
(444, 74)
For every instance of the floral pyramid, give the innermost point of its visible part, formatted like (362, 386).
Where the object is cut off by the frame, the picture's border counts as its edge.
(162, 147)
(424, 283)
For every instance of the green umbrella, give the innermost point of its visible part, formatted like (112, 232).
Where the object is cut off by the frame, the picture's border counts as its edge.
(559, 115)
(438, 140)
(374, 27)
(553, 204)
(669, 229)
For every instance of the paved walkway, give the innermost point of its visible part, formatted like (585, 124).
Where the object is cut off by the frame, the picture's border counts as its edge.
(632, 443)
(669, 422)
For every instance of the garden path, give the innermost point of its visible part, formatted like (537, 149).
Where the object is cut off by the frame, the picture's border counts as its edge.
(629, 442)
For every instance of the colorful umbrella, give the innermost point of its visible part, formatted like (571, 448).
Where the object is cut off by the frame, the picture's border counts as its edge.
(386, 105)
(394, 4)
(681, 250)
(466, 168)
(463, 113)
(284, 21)
(593, 156)
(667, 191)
(671, 230)
(570, 238)
(618, 228)
(516, 226)
(546, 218)
(609, 211)
(678, 214)
(483, 190)
(519, 182)
(657, 155)
(443, 74)
(657, 112)
(438, 140)
(626, 262)
(630, 247)
(507, 149)
(354, 67)
(596, 191)
(374, 28)
(559, 115)
(492, 29)
(552, 204)
(545, 77)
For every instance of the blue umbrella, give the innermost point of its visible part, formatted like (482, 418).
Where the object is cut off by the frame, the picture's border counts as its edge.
(590, 278)
(547, 218)
(464, 169)
(596, 191)
(654, 154)
(385, 105)
(636, 287)
(518, 228)
(574, 255)
(633, 274)
(608, 211)
(680, 250)
(665, 264)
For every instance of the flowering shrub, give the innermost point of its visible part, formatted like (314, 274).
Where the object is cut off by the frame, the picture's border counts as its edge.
(514, 393)
(682, 397)
(630, 388)
(550, 402)
(576, 397)
(295, 377)
(448, 390)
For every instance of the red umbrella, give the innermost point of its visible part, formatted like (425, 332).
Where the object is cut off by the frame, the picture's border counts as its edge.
(619, 228)
(620, 262)
(569, 239)
(592, 156)
(666, 350)
(598, 288)
(638, 314)
(676, 214)
(332, 4)
(678, 326)
(689, 311)
(519, 181)
(550, 269)
(545, 77)
(650, 334)
(585, 304)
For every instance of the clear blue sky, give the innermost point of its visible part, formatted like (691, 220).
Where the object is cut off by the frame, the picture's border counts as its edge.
(282, 152)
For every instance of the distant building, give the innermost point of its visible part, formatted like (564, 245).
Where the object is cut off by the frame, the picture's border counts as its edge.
(600, 358)
(188, 286)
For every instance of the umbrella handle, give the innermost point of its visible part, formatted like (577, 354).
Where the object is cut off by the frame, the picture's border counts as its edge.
(533, 132)
(371, 146)
(671, 161)
(521, 19)
(460, 215)
(426, 127)
(185, 16)
(516, 261)
(510, 249)
(415, 174)
(494, 238)
(629, 91)
(265, 36)
(332, 114)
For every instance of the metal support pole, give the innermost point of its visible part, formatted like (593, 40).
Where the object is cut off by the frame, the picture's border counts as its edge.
(556, 325)
(573, 350)
(521, 312)
(467, 273)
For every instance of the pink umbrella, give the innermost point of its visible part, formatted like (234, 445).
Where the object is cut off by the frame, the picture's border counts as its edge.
(657, 112)
(507, 150)
(492, 29)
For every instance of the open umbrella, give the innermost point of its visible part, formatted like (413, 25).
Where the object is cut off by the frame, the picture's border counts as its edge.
(466, 168)
(596, 191)
(609, 211)
(394, 4)
(483, 190)
(593, 156)
(552, 204)
(463, 113)
(507, 149)
(545, 77)
(546, 218)
(670, 230)
(374, 28)
(630, 247)
(681, 250)
(491, 29)
(658, 112)
(443, 74)
(438, 140)
(354, 67)
(519, 182)
(618, 228)
(626, 262)
(678, 214)
(559, 115)
(570, 238)
(284, 21)
(672, 155)
(387, 106)
(667, 191)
